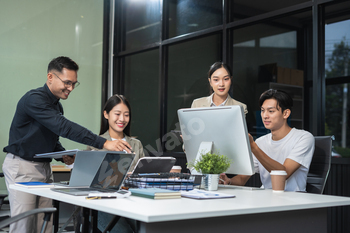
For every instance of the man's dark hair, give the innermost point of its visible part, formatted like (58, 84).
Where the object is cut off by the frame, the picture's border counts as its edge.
(284, 100)
(59, 63)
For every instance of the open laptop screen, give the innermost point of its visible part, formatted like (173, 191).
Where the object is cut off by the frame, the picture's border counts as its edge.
(112, 171)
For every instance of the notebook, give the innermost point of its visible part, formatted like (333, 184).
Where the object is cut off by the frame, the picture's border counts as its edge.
(155, 193)
(104, 170)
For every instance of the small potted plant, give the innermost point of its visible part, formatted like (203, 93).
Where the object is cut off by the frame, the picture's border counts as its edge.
(211, 165)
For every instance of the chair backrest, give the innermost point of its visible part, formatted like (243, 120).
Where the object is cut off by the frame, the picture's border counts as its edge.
(47, 215)
(320, 165)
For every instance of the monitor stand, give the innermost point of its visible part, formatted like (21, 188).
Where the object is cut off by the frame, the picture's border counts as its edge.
(204, 147)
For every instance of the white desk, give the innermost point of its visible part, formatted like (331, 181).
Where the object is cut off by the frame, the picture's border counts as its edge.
(248, 211)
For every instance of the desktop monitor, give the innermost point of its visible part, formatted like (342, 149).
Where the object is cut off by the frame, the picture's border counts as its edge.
(217, 129)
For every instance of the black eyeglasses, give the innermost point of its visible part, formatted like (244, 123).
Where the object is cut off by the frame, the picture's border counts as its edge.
(68, 83)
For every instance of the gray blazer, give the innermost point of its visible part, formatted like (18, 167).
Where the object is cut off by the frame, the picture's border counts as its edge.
(206, 101)
(134, 143)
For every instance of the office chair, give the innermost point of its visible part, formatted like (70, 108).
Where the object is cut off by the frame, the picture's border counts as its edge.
(46, 211)
(3, 213)
(320, 165)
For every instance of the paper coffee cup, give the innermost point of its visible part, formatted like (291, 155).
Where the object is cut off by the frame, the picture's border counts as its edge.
(176, 169)
(278, 180)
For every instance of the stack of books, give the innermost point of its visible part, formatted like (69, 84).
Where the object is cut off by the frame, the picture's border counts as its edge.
(155, 193)
(173, 183)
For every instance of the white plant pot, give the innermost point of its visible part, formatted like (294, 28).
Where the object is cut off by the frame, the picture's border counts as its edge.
(210, 181)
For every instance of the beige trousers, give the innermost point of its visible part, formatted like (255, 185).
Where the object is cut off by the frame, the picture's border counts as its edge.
(16, 169)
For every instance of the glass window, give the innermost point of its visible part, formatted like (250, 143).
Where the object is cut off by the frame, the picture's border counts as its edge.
(337, 48)
(142, 91)
(187, 16)
(265, 56)
(248, 8)
(337, 115)
(188, 65)
(142, 23)
(337, 68)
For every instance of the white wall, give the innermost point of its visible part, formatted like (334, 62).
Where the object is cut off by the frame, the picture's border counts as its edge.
(31, 34)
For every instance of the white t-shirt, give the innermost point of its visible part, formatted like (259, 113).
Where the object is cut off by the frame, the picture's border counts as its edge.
(297, 145)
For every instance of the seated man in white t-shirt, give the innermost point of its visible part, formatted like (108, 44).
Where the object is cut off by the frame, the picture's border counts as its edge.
(285, 148)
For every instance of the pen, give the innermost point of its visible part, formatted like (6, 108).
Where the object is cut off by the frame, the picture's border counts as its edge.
(205, 193)
(211, 194)
(100, 197)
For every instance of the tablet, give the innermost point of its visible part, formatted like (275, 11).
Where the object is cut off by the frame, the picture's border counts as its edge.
(57, 155)
(154, 165)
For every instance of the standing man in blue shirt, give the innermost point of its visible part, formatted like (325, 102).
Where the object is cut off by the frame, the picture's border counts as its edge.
(36, 127)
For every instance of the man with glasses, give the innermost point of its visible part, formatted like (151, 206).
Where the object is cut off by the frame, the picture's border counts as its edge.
(36, 126)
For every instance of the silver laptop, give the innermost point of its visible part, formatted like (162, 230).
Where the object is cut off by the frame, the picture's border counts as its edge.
(98, 171)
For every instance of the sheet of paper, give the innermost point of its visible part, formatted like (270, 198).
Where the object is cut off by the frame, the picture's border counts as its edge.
(202, 194)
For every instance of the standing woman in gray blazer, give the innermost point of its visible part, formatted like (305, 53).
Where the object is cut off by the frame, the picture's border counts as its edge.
(220, 79)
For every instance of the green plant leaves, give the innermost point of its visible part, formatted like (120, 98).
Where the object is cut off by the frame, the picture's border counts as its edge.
(211, 163)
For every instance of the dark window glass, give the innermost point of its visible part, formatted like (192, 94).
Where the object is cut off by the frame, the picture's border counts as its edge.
(141, 89)
(248, 8)
(265, 56)
(337, 115)
(337, 70)
(188, 65)
(142, 23)
(337, 48)
(187, 16)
